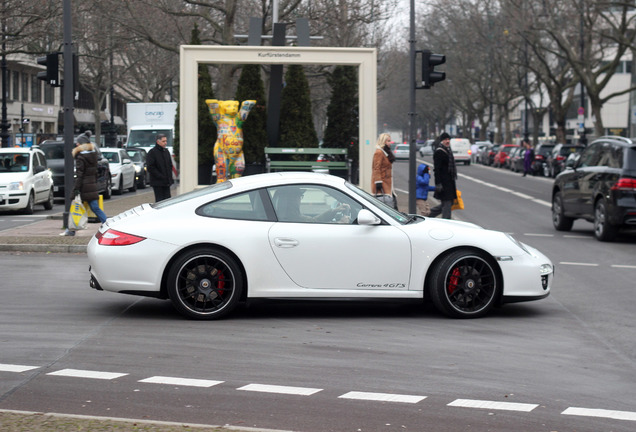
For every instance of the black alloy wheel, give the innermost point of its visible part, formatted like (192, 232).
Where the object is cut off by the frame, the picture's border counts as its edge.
(465, 284)
(603, 230)
(205, 283)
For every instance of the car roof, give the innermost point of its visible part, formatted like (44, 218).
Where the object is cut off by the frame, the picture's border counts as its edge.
(16, 149)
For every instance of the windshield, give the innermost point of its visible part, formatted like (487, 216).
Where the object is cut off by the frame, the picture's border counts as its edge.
(147, 138)
(398, 216)
(53, 151)
(14, 162)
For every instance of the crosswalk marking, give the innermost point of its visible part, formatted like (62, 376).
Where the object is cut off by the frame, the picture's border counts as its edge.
(15, 368)
(77, 373)
(587, 412)
(180, 381)
(302, 391)
(493, 405)
(382, 397)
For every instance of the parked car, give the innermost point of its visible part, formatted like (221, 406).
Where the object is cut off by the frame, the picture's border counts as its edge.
(484, 156)
(25, 179)
(427, 148)
(461, 150)
(516, 159)
(600, 187)
(402, 151)
(502, 155)
(559, 155)
(481, 148)
(138, 158)
(122, 170)
(540, 163)
(273, 236)
(54, 152)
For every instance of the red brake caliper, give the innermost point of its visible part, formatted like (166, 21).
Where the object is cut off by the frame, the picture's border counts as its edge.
(454, 281)
(221, 284)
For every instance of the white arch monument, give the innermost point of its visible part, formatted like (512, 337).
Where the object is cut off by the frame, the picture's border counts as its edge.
(192, 55)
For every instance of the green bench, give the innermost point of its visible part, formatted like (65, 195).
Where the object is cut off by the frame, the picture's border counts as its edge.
(279, 163)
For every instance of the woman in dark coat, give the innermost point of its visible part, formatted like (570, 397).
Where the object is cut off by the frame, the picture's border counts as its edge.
(445, 176)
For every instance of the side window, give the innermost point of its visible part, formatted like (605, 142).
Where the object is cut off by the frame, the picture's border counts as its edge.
(245, 206)
(313, 204)
(610, 156)
(590, 156)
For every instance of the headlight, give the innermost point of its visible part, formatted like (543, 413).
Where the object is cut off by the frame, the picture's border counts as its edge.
(137, 169)
(16, 186)
(545, 269)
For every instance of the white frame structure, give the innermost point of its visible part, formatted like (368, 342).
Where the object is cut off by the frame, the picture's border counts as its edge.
(193, 55)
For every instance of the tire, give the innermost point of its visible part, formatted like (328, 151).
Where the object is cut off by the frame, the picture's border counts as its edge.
(465, 284)
(559, 220)
(133, 188)
(603, 230)
(143, 183)
(48, 204)
(109, 189)
(28, 210)
(205, 284)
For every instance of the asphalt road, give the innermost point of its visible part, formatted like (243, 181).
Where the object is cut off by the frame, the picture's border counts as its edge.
(566, 363)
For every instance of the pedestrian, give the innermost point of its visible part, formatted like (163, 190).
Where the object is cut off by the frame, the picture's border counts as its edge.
(528, 157)
(382, 170)
(445, 177)
(422, 181)
(159, 164)
(85, 156)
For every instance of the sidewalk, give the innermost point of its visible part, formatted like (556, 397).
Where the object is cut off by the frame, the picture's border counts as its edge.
(44, 235)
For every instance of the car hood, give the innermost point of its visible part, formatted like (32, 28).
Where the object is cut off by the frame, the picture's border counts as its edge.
(6, 178)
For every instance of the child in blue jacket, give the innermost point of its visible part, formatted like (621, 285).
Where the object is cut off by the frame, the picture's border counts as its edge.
(422, 188)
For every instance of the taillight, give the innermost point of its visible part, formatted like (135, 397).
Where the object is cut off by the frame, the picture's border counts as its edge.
(560, 158)
(625, 184)
(540, 157)
(117, 238)
(470, 152)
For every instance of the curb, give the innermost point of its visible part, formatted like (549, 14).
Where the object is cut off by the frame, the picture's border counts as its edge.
(43, 248)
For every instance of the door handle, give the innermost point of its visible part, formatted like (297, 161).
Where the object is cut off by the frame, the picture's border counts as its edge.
(285, 242)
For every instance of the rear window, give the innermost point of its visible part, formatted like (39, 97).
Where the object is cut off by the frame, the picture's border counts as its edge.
(53, 151)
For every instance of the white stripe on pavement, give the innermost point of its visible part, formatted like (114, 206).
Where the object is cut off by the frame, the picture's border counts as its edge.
(507, 406)
(382, 397)
(578, 264)
(587, 412)
(623, 266)
(264, 388)
(180, 381)
(538, 235)
(77, 373)
(15, 368)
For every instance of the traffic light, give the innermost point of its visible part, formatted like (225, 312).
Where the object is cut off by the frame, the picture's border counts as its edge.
(429, 75)
(51, 76)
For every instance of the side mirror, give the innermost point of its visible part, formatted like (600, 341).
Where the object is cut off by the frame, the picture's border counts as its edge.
(365, 217)
(126, 161)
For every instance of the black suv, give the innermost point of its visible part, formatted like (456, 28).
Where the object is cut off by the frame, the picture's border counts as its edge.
(599, 187)
(54, 153)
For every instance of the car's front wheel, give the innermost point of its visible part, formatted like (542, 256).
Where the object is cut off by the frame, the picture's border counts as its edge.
(603, 230)
(205, 283)
(28, 210)
(559, 220)
(465, 284)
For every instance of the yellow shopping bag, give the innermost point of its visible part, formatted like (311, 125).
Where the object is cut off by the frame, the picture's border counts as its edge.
(458, 204)
(77, 217)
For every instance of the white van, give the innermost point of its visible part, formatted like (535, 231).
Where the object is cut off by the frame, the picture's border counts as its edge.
(461, 150)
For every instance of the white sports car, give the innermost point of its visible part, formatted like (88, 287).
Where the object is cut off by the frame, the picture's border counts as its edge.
(307, 235)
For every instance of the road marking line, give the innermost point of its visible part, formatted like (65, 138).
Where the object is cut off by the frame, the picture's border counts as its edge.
(538, 235)
(507, 406)
(578, 264)
(575, 236)
(587, 412)
(180, 381)
(77, 373)
(623, 266)
(510, 191)
(302, 391)
(382, 397)
(15, 368)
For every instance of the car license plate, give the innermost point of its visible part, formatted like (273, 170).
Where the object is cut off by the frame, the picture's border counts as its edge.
(56, 188)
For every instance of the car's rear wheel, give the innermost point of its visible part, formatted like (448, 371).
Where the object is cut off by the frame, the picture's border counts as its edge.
(48, 204)
(603, 230)
(559, 220)
(205, 283)
(465, 284)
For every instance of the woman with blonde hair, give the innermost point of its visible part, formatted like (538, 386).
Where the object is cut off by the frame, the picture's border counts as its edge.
(382, 171)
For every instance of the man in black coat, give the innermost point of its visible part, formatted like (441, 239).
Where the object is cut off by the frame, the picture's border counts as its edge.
(445, 176)
(159, 164)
